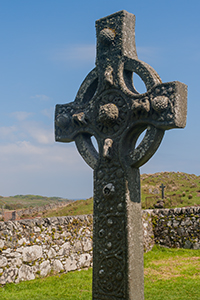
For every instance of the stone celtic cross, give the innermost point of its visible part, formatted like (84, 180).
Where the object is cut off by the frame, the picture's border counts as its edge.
(108, 107)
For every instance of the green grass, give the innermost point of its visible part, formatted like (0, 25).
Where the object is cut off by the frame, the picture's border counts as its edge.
(172, 274)
(71, 286)
(79, 207)
(169, 274)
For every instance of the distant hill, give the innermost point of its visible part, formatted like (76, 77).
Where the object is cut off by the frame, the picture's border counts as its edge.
(26, 201)
(181, 189)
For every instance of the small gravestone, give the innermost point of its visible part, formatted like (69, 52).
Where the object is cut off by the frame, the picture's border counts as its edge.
(108, 107)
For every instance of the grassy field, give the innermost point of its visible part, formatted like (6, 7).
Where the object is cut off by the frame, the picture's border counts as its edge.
(172, 274)
(169, 274)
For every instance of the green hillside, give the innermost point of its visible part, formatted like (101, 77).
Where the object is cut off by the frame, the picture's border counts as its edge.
(181, 190)
(25, 201)
(79, 207)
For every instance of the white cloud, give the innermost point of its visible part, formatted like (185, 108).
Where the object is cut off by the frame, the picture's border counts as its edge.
(48, 112)
(26, 130)
(6, 132)
(21, 115)
(24, 156)
(39, 134)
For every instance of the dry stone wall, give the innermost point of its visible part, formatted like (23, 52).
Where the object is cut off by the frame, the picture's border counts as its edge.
(177, 228)
(38, 247)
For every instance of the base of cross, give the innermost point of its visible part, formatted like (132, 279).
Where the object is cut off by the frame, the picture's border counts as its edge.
(117, 235)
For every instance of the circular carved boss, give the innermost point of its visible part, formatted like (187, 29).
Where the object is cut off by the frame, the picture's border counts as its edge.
(111, 112)
(110, 275)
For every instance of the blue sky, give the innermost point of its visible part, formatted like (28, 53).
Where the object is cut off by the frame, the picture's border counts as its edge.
(47, 49)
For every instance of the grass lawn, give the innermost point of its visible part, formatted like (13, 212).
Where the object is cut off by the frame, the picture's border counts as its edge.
(169, 274)
(172, 274)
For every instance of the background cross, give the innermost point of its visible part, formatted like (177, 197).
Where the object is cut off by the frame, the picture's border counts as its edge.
(162, 189)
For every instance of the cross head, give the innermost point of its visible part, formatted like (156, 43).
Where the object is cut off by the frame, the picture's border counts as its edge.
(108, 107)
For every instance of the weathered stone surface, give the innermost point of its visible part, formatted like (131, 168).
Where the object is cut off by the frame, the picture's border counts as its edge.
(87, 244)
(3, 261)
(148, 234)
(9, 276)
(14, 254)
(37, 229)
(196, 246)
(57, 265)
(65, 249)
(32, 253)
(7, 251)
(70, 264)
(84, 260)
(16, 262)
(77, 246)
(188, 245)
(25, 273)
(52, 253)
(1, 244)
(45, 268)
(109, 108)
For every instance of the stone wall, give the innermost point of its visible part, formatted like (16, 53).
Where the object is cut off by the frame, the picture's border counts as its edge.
(38, 247)
(177, 228)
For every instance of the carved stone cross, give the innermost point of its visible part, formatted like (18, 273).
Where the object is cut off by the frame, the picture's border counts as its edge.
(162, 190)
(108, 107)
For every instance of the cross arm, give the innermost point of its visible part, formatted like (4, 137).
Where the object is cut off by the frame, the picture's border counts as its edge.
(163, 106)
(71, 120)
